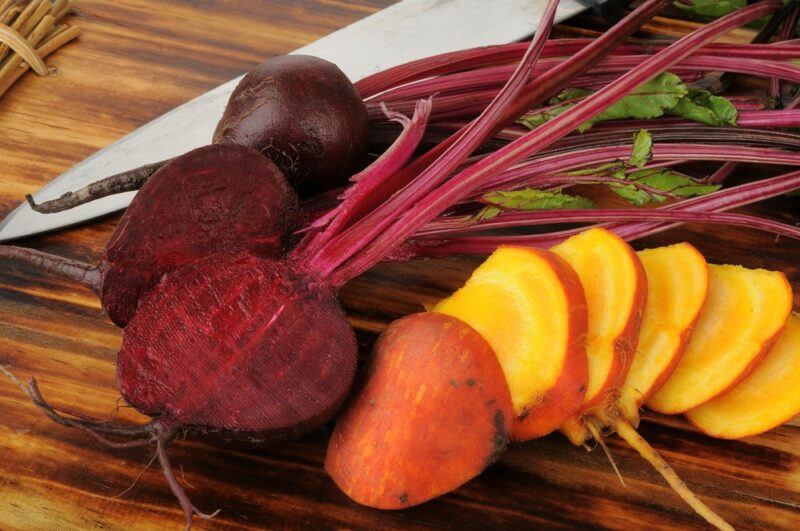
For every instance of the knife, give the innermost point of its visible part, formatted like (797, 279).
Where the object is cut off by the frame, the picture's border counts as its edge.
(408, 30)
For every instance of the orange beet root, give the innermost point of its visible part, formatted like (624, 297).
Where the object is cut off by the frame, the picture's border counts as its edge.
(432, 414)
(530, 306)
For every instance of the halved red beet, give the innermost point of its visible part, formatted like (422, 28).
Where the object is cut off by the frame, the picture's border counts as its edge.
(305, 115)
(240, 344)
(215, 198)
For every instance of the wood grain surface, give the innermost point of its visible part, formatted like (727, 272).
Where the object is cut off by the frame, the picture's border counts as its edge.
(138, 58)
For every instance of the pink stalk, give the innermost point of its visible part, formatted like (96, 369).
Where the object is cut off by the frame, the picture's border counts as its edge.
(722, 173)
(418, 202)
(506, 53)
(767, 118)
(550, 217)
(448, 158)
(485, 78)
(662, 130)
(720, 201)
(533, 93)
(527, 173)
(785, 33)
(464, 94)
(473, 136)
(368, 180)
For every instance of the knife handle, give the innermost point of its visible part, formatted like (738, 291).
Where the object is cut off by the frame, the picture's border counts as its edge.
(610, 10)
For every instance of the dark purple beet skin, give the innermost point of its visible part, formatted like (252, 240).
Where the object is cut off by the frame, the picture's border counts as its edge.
(218, 197)
(304, 114)
(239, 344)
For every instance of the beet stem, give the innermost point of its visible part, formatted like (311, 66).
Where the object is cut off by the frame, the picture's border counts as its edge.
(473, 135)
(178, 491)
(81, 272)
(423, 200)
(126, 181)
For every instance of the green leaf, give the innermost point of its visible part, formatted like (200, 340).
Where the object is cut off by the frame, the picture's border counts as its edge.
(633, 195)
(488, 212)
(648, 100)
(603, 169)
(710, 8)
(642, 148)
(532, 199)
(535, 119)
(701, 106)
(663, 180)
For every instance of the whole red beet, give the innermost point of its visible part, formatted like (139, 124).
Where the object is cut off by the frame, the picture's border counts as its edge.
(299, 111)
(304, 114)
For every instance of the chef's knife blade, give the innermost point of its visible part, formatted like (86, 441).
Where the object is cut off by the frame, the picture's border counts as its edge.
(408, 30)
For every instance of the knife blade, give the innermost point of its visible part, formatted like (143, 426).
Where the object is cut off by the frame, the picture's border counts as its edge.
(408, 30)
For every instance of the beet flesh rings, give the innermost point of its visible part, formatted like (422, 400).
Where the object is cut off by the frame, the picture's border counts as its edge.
(238, 343)
(304, 114)
(215, 198)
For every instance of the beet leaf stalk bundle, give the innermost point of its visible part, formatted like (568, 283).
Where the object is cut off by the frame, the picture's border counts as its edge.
(244, 334)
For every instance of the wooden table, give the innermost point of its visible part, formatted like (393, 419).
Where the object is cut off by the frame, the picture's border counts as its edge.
(139, 58)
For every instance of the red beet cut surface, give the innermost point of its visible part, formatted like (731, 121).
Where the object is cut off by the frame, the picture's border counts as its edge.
(238, 343)
(215, 198)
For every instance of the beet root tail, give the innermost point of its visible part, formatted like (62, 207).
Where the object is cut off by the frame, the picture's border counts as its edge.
(638, 443)
(189, 509)
(81, 272)
(598, 437)
(127, 181)
(147, 434)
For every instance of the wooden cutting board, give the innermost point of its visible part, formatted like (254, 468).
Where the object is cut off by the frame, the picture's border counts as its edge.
(139, 58)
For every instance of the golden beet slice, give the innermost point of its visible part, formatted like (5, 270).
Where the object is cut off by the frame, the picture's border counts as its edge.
(677, 285)
(765, 399)
(432, 414)
(529, 305)
(615, 285)
(744, 312)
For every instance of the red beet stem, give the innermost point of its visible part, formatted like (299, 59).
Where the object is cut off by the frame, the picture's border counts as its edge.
(722, 173)
(533, 172)
(126, 181)
(479, 84)
(81, 272)
(549, 217)
(559, 78)
(425, 199)
(367, 182)
(719, 201)
(472, 137)
(374, 86)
